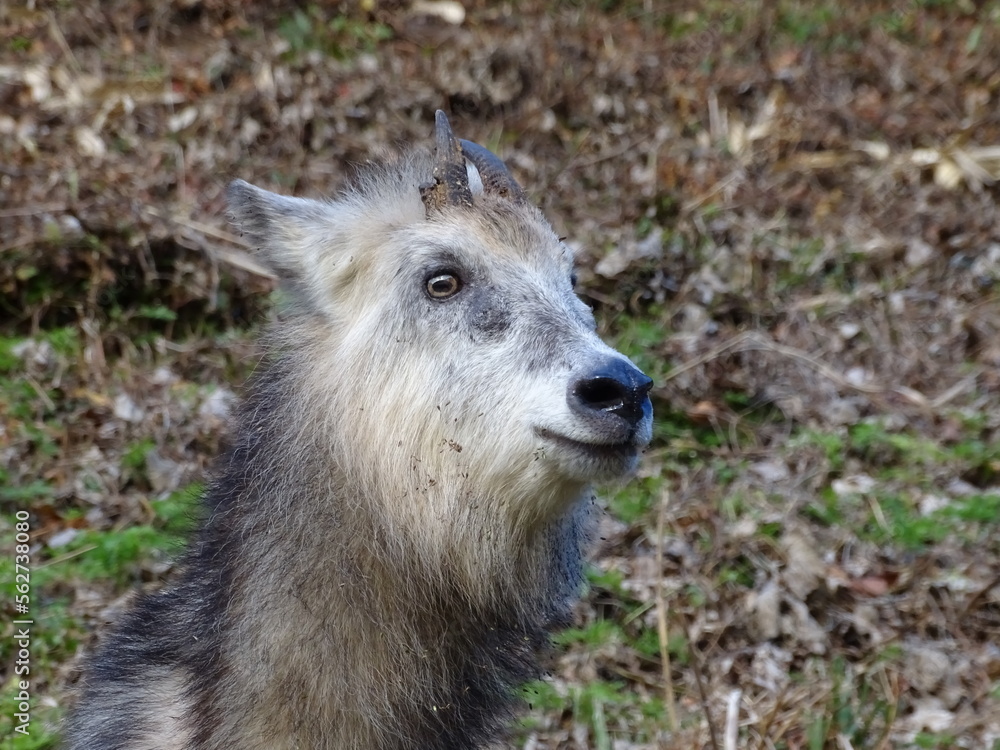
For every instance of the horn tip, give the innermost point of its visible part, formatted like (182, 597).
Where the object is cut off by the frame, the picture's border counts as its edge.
(445, 137)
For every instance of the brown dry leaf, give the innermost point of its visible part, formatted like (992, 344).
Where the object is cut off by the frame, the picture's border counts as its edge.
(764, 608)
(928, 716)
(926, 666)
(874, 585)
(447, 10)
(866, 619)
(804, 571)
(704, 411)
(800, 625)
(98, 400)
(771, 471)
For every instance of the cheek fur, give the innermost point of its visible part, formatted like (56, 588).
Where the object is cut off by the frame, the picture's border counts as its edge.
(488, 313)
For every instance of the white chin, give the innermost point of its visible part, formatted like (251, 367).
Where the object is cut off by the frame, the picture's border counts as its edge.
(589, 462)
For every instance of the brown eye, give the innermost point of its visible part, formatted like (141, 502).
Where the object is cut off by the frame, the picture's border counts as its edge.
(443, 285)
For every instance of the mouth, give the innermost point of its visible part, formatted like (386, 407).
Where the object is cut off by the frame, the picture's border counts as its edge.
(602, 452)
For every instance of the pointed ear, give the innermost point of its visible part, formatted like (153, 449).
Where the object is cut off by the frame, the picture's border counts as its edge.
(288, 235)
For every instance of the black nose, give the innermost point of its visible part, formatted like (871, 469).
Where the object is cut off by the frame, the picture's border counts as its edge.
(616, 387)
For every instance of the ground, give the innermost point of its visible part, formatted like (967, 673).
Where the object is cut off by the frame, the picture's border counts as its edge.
(784, 211)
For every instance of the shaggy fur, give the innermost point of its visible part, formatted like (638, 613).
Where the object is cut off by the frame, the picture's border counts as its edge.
(398, 523)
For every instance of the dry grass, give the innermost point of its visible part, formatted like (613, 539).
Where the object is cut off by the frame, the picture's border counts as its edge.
(786, 215)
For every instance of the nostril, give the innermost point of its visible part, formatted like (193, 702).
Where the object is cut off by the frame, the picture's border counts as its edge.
(615, 388)
(604, 394)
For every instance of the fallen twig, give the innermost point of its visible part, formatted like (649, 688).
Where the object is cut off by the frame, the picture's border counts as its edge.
(732, 719)
(235, 258)
(661, 618)
(753, 340)
(702, 694)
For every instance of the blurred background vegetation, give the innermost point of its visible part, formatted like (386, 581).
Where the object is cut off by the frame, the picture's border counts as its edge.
(786, 212)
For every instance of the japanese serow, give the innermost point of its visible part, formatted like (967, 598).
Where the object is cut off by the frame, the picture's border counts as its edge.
(400, 519)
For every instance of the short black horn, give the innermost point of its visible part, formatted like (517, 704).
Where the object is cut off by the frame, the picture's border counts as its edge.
(451, 180)
(494, 173)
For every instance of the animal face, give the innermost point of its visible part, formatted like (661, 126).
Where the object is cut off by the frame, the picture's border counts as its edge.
(447, 341)
(490, 306)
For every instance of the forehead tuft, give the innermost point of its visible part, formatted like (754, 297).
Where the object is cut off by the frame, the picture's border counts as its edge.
(516, 230)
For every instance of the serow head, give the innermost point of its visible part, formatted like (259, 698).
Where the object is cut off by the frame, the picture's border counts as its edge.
(606, 416)
(439, 316)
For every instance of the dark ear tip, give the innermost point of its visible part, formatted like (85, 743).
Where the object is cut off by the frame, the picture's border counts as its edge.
(238, 192)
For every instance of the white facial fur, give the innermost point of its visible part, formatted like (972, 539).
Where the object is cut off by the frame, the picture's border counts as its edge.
(438, 403)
